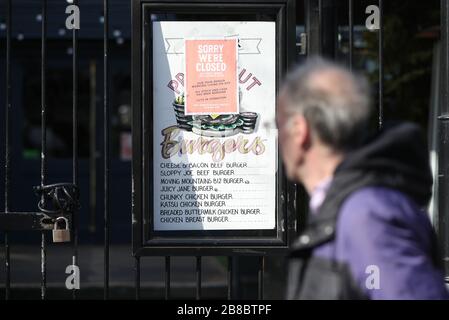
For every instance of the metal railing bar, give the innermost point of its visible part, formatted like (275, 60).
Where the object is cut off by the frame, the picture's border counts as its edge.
(137, 277)
(320, 26)
(7, 146)
(43, 141)
(198, 277)
(445, 56)
(43, 266)
(261, 273)
(106, 146)
(443, 132)
(7, 267)
(351, 33)
(230, 277)
(75, 140)
(381, 65)
(167, 277)
(93, 146)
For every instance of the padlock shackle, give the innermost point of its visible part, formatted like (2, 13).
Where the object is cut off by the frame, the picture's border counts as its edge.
(59, 219)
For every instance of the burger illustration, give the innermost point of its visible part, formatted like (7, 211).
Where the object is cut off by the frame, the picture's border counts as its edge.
(181, 118)
(214, 125)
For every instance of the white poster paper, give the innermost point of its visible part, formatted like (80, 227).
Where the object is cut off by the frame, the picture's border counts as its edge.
(216, 171)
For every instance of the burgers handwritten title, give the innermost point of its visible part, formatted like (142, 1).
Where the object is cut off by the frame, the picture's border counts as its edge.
(174, 144)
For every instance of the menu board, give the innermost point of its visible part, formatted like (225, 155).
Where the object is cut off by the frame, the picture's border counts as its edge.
(214, 135)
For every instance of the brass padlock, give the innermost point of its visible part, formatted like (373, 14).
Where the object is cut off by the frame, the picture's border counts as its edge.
(61, 235)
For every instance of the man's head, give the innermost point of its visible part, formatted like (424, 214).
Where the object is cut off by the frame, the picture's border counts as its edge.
(323, 112)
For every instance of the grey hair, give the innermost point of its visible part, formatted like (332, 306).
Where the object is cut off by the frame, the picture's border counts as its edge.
(338, 117)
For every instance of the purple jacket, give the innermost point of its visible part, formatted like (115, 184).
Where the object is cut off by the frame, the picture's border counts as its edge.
(367, 236)
(383, 228)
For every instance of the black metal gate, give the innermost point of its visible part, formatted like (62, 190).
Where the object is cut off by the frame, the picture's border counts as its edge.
(61, 198)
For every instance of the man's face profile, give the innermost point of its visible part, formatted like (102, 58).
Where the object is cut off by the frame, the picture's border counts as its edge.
(291, 137)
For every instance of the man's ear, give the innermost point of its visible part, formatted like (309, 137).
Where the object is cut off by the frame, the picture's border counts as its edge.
(301, 132)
